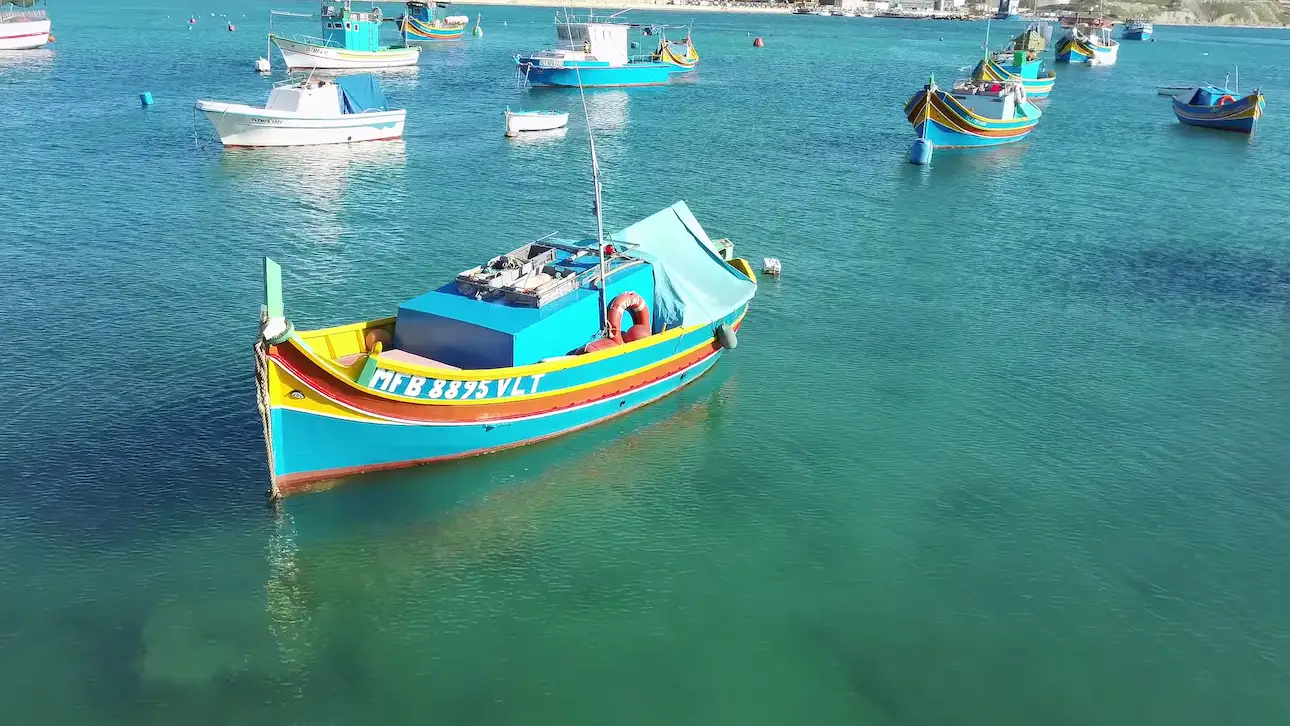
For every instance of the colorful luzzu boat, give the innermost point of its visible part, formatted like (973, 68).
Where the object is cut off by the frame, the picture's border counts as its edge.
(681, 55)
(1219, 108)
(972, 114)
(350, 40)
(1088, 40)
(591, 54)
(422, 23)
(1034, 77)
(521, 349)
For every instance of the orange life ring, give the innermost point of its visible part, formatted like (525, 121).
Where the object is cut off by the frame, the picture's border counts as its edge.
(1226, 99)
(640, 318)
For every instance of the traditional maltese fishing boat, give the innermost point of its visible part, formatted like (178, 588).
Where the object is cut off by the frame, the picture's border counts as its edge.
(555, 336)
(1020, 62)
(424, 23)
(680, 54)
(1219, 108)
(1087, 40)
(972, 114)
(528, 346)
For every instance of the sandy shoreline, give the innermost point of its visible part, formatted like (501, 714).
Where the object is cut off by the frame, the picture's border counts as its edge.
(773, 10)
(635, 5)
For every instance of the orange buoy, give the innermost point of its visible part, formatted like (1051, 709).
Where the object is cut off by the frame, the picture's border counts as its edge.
(51, 38)
(757, 43)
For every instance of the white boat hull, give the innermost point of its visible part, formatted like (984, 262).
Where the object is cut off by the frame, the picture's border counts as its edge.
(518, 123)
(307, 56)
(240, 125)
(24, 35)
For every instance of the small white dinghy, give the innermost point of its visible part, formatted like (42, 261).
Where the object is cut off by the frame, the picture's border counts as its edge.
(518, 122)
(316, 111)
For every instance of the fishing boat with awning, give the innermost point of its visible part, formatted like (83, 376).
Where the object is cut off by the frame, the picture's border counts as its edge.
(594, 53)
(552, 337)
(350, 40)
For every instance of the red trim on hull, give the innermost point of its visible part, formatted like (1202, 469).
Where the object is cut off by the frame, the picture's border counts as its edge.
(25, 35)
(304, 481)
(295, 363)
(364, 141)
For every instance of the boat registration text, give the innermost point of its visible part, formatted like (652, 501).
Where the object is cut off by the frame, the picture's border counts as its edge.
(403, 384)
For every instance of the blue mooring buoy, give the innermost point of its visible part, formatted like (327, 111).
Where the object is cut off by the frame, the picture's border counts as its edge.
(145, 99)
(921, 152)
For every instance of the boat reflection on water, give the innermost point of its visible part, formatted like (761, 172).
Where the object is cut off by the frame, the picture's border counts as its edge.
(607, 109)
(991, 158)
(516, 483)
(40, 59)
(539, 138)
(323, 175)
(404, 528)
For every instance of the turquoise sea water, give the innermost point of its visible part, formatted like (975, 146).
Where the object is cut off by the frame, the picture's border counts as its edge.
(1007, 444)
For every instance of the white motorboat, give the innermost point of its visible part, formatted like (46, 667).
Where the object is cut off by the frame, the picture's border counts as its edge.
(518, 122)
(23, 26)
(347, 109)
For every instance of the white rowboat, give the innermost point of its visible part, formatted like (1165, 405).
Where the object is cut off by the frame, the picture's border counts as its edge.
(518, 122)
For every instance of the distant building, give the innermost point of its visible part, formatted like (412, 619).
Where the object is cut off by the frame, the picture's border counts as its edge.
(1008, 9)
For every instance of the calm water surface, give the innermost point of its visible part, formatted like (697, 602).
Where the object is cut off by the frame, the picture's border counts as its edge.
(1007, 444)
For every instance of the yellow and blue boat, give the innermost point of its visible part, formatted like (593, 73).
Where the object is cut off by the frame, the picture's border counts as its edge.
(972, 114)
(1033, 75)
(1219, 108)
(681, 55)
(1088, 40)
(424, 23)
(528, 346)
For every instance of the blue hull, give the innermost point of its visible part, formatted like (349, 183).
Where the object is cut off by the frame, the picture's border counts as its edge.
(312, 442)
(946, 138)
(1244, 125)
(1135, 35)
(633, 74)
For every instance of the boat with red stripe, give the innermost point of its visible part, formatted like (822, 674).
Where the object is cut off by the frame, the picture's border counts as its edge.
(552, 337)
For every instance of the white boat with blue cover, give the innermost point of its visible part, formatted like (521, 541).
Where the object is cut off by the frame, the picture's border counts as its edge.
(347, 109)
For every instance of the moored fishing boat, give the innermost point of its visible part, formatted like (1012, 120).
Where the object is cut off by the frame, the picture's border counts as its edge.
(680, 54)
(23, 25)
(423, 23)
(1087, 40)
(1034, 77)
(1219, 108)
(351, 39)
(315, 111)
(972, 114)
(591, 53)
(528, 346)
(518, 122)
(1137, 29)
